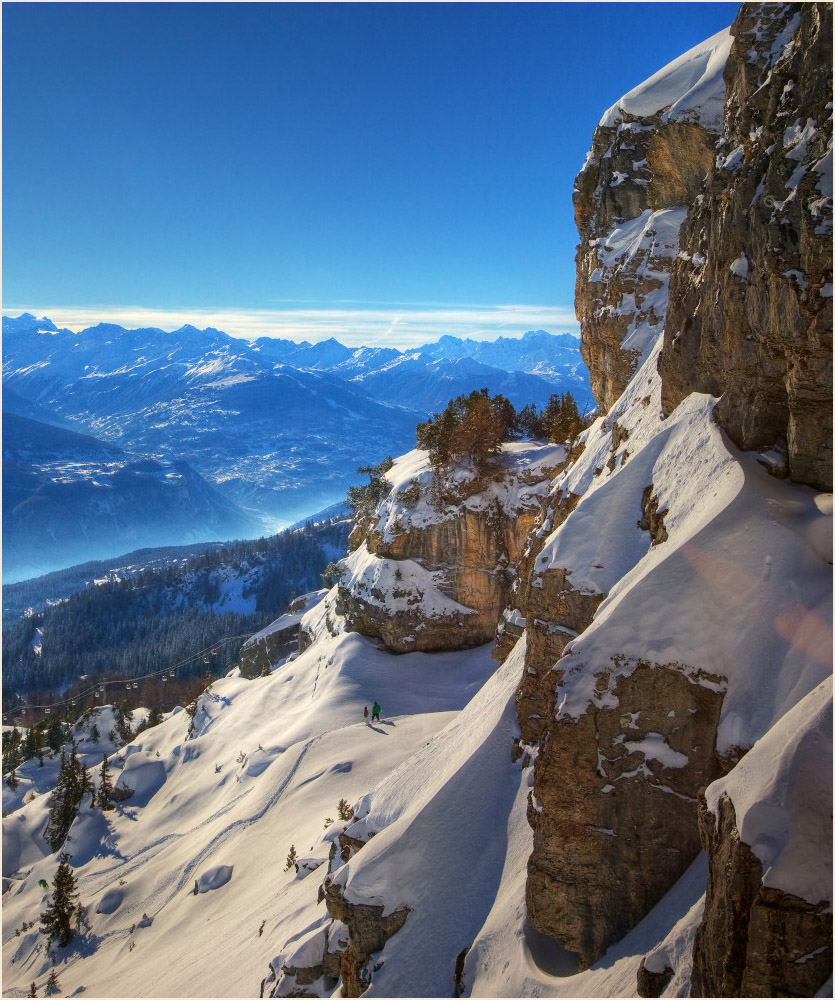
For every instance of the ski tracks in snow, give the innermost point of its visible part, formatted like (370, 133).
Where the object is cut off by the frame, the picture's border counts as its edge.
(176, 882)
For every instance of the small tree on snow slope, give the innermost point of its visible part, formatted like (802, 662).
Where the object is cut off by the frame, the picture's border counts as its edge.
(105, 796)
(56, 919)
(291, 858)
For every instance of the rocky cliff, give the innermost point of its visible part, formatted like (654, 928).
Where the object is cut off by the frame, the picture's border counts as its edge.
(649, 157)
(264, 650)
(664, 605)
(661, 643)
(433, 568)
(750, 314)
(767, 830)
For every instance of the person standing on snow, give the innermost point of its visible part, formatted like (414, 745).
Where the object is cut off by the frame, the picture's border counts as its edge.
(365, 713)
(375, 713)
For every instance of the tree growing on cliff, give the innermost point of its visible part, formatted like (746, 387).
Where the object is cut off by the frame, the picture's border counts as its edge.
(470, 427)
(561, 419)
(363, 499)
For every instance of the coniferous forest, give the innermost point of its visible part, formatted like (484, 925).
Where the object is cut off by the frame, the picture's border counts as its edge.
(154, 618)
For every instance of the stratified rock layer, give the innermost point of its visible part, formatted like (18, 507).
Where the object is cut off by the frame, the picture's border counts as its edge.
(622, 751)
(434, 572)
(262, 651)
(629, 201)
(754, 941)
(614, 805)
(750, 313)
(368, 931)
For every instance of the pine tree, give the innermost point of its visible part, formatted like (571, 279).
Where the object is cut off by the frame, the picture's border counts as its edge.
(61, 813)
(472, 426)
(12, 741)
(53, 987)
(55, 736)
(66, 798)
(12, 781)
(562, 419)
(105, 796)
(343, 810)
(154, 717)
(291, 858)
(31, 743)
(33, 990)
(56, 920)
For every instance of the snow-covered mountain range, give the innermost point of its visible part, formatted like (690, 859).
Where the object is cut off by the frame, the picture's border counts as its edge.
(68, 497)
(278, 428)
(637, 800)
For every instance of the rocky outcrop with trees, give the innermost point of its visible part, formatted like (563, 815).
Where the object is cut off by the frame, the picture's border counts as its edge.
(433, 561)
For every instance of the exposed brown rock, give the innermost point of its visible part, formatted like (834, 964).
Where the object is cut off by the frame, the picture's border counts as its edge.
(749, 317)
(473, 553)
(368, 930)
(555, 614)
(652, 984)
(637, 165)
(753, 941)
(259, 654)
(652, 519)
(611, 840)
(348, 845)
(553, 515)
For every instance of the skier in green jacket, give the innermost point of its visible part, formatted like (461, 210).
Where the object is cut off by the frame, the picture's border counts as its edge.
(375, 712)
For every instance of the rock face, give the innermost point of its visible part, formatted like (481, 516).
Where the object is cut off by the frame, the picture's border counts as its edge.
(767, 831)
(610, 842)
(433, 569)
(260, 653)
(754, 941)
(649, 158)
(750, 314)
(627, 706)
(368, 931)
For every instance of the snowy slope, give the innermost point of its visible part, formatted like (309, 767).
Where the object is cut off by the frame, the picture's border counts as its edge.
(689, 87)
(303, 746)
(748, 557)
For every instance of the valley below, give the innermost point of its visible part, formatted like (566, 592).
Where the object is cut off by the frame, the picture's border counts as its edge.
(550, 714)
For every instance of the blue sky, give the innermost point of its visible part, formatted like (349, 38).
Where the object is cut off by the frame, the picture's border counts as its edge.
(378, 172)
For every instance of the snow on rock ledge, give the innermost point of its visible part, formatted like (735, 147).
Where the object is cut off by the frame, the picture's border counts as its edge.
(649, 158)
(767, 827)
(694, 582)
(432, 570)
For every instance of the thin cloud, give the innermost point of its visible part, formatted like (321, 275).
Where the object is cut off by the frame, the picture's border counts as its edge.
(396, 325)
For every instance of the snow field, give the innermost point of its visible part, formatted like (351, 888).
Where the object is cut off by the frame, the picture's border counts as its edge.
(189, 821)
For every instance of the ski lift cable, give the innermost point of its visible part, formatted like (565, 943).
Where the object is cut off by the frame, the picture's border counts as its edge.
(99, 687)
